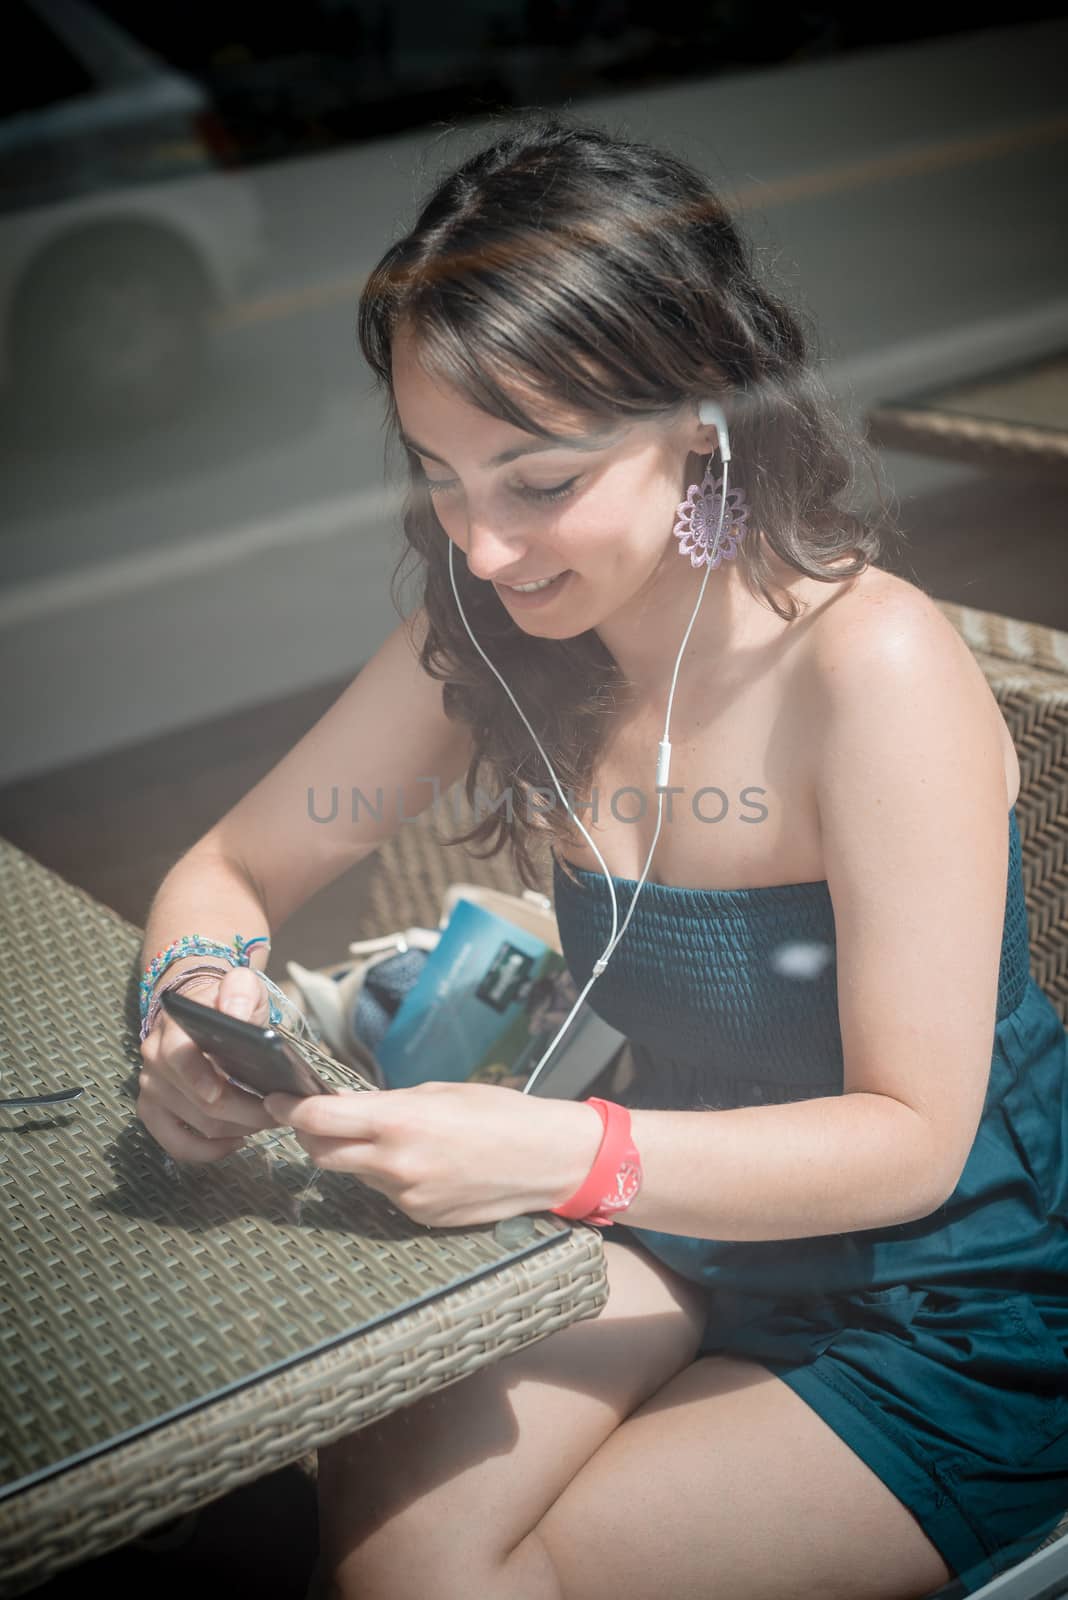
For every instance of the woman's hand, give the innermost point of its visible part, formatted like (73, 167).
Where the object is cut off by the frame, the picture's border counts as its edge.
(450, 1154)
(184, 1100)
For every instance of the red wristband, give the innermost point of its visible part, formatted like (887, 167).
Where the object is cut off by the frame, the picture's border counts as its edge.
(616, 1174)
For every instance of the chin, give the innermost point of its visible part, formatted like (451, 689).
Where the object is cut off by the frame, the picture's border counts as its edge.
(548, 628)
(553, 623)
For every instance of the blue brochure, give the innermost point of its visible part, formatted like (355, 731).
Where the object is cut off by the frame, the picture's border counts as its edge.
(488, 1003)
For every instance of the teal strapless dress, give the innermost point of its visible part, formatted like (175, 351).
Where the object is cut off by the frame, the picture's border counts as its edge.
(937, 1349)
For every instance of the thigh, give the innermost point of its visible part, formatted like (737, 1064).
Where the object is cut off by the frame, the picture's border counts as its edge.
(727, 1486)
(462, 1476)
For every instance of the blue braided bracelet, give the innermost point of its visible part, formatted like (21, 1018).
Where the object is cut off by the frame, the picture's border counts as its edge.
(237, 956)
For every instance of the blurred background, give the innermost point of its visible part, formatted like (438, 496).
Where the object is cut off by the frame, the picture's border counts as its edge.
(197, 533)
(196, 519)
(191, 196)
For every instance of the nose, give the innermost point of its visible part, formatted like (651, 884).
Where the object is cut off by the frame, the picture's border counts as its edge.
(490, 553)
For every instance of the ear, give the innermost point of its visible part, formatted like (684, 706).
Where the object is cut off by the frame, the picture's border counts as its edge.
(703, 432)
(703, 444)
(711, 412)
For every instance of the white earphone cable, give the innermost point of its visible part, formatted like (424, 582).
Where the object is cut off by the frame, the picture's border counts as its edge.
(709, 412)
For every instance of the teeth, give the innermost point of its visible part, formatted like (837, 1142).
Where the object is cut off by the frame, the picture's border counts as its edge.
(529, 588)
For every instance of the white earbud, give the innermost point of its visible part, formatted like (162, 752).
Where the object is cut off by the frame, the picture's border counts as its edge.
(712, 411)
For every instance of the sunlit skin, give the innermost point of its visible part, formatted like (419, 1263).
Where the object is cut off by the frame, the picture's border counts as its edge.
(613, 530)
(612, 526)
(539, 1451)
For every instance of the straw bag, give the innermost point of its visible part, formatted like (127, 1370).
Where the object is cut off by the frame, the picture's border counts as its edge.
(350, 1004)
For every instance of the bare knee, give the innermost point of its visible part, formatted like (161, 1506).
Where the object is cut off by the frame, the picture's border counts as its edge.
(447, 1489)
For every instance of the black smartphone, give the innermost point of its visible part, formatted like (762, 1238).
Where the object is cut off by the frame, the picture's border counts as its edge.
(254, 1058)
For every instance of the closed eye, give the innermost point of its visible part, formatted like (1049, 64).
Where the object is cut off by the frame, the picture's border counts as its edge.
(443, 486)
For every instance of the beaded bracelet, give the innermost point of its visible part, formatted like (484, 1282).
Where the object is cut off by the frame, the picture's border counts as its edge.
(191, 944)
(282, 1008)
(175, 986)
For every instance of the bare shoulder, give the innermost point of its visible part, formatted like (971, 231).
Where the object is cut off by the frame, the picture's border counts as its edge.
(881, 617)
(887, 635)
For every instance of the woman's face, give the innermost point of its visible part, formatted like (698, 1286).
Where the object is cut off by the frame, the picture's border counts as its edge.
(599, 510)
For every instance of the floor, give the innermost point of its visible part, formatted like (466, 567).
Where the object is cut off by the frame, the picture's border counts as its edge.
(116, 823)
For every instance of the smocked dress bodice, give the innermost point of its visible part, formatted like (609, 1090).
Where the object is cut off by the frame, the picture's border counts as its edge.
(728, 997)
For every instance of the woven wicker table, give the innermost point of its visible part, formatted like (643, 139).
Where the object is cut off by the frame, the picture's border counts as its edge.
(1014, 420)
(170, 1333)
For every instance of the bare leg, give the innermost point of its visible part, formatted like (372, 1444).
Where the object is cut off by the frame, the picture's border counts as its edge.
(435, 1499)
(727, 1486)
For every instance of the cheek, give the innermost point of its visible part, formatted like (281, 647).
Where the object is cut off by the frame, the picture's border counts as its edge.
(609, 523)
(610, 511)
(586, 537)
(616, 524)
(450, 522)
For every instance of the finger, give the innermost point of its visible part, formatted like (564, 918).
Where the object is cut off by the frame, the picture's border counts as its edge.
(202, 1083)
(157, 1090)
(278, 1107)
(181, 1140)
(186, 1065)
(356, 1156)
(241, 1107)
(239, 993)
(243, 994)
(345, 1115)
(172, 1106)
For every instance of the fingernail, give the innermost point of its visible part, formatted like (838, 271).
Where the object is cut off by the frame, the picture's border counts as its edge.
(213, 1091)
(239, 1006)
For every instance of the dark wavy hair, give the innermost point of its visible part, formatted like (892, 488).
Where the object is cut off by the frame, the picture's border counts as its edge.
(562, 267)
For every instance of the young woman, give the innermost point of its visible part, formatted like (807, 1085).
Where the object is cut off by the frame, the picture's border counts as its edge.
(833, 1360)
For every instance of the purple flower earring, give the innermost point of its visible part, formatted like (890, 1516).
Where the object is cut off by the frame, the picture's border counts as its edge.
(698, 519)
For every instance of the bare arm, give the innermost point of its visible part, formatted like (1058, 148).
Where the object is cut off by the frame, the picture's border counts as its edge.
(830, 1165)
(380, 747)
(207, 894)
(269, 854)
(914, 813)
(300, 827)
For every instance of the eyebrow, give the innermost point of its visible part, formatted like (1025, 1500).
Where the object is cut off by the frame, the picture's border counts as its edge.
(589, 441)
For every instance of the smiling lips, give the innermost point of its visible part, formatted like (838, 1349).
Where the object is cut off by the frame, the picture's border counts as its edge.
(531, 583)
(538, 589)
